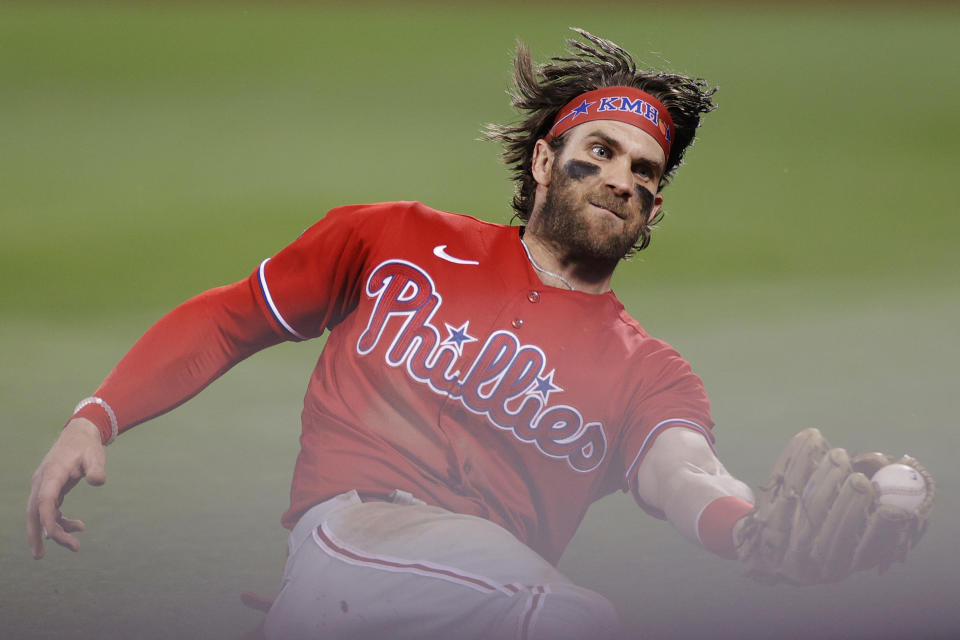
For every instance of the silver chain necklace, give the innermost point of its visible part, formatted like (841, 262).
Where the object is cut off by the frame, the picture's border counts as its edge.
(537, 267)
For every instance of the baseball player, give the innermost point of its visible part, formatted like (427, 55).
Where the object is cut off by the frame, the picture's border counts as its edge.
(480, 387)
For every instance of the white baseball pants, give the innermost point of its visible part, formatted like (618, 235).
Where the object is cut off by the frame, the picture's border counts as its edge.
(404, 570)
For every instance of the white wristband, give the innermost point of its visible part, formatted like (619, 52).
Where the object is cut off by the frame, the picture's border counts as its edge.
(114, 425)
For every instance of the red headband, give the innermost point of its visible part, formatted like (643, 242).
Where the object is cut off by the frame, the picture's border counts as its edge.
(623, 104)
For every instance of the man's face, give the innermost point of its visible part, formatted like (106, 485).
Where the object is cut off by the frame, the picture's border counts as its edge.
(601, 192)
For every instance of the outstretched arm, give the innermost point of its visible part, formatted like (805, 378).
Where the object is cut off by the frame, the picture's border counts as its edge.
(681, 476)
(174, 360)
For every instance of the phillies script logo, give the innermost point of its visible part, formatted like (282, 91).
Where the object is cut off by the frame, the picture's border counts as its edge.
(507, 382)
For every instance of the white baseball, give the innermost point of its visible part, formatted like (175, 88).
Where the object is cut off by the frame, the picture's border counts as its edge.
(900, 485)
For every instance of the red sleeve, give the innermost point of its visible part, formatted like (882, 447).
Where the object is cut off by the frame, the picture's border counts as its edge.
(309, 286)
(674, 397)
(312, 284)
(181, 354)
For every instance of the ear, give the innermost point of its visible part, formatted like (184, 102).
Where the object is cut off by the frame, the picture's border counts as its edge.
(657, 203)
(542, 163)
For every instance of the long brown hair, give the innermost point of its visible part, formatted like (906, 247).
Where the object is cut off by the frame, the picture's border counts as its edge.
(541, 91)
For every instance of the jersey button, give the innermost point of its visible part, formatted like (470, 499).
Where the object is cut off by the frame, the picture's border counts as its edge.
(534, 296)
(517, 323)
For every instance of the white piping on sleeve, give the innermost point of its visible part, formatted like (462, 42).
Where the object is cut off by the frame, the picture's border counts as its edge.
(656, 431)
(265, 290)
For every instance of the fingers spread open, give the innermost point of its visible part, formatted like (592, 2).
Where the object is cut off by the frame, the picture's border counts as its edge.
(49, 496)
(70, 525)
(77, 454)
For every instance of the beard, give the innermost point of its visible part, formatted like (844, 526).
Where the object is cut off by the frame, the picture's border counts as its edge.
(591, 236)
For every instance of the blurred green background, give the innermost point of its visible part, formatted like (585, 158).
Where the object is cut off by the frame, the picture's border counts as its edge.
(806, 267)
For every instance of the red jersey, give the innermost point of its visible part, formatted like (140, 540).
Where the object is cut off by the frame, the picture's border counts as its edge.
(452, 372)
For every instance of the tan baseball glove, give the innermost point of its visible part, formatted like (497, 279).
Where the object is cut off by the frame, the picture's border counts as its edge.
(817, 518)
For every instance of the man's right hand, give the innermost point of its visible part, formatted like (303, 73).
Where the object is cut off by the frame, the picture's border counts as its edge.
(77, 453)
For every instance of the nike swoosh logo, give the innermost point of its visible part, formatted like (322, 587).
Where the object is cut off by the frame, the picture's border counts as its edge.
(441, 252)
